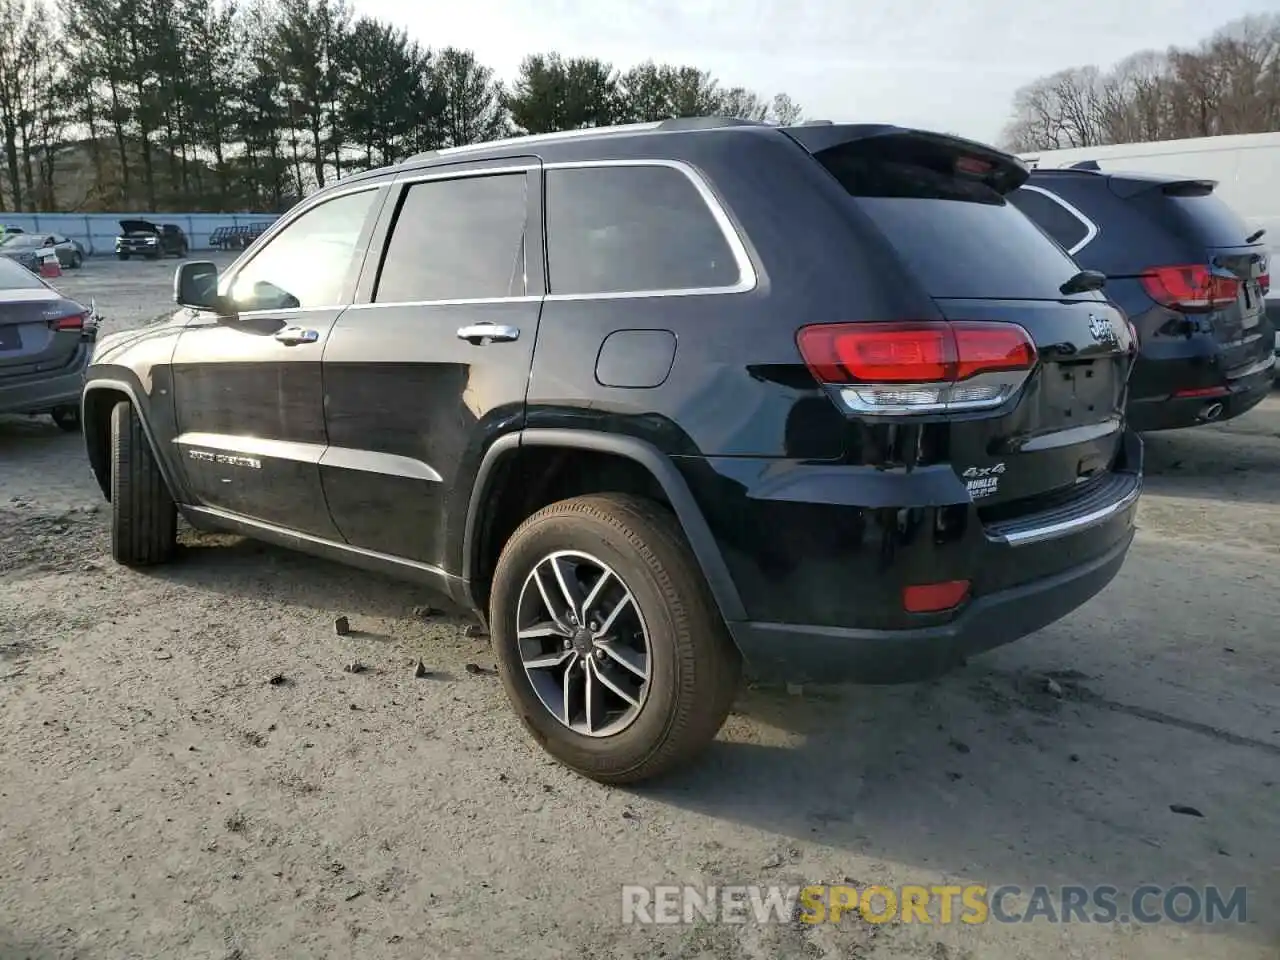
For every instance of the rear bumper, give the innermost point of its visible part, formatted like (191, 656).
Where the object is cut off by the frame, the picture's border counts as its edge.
(800, 654)
(1242, 393)
(820, 555)
(40, 394)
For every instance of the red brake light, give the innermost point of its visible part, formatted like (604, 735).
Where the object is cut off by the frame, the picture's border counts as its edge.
(1190, 289)
(71, 321)
(919, 366)
(972, 165)
(934, 352)
(1201, 392)
(1264, 282)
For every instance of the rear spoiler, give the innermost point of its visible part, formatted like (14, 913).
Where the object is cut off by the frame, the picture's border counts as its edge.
(945, 153)
(1128, 187)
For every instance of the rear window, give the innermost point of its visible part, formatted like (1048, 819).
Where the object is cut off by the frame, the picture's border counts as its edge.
(14, 276)
(959, 236)
(1196, 213)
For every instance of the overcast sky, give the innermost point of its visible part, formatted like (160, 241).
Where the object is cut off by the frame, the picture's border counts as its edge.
(940, 64)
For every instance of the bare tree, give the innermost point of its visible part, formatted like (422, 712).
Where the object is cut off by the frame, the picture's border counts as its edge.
(1230, 83)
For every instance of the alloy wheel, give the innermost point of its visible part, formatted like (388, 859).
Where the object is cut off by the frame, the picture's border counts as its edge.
(583, 643)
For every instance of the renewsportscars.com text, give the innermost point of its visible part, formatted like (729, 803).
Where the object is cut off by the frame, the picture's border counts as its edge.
(967, 904)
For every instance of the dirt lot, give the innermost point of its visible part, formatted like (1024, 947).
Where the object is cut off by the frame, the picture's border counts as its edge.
(159, 797)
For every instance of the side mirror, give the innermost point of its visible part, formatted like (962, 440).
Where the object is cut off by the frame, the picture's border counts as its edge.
(195, 284)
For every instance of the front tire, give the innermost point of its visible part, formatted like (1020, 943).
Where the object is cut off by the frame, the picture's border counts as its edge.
(143, 516)
(650, 682)
(122, 256)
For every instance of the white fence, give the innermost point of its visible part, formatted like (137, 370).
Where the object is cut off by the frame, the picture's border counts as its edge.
(97, 231)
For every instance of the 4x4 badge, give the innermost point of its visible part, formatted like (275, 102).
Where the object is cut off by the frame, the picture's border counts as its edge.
(1101, 329)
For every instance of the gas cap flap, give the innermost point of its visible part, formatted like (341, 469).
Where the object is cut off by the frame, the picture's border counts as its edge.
(636, 359)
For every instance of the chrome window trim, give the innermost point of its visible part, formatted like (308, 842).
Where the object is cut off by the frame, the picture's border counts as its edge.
(747, 281)
(1091, 228)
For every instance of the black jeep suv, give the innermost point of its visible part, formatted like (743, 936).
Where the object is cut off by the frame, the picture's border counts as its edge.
(1189, 273)
(648, 399)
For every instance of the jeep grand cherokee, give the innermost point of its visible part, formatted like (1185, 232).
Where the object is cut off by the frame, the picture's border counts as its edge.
(648, 400)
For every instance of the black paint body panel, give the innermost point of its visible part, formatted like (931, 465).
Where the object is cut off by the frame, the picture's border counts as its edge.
(381, 441)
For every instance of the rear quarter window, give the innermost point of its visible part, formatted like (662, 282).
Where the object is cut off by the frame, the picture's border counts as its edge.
(959, 237)
(1067, 230)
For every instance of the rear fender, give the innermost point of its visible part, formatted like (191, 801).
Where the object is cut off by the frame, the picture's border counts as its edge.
(694, 524)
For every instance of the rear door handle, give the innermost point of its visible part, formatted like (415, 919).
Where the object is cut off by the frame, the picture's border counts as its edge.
(480, 334)
(292, 336)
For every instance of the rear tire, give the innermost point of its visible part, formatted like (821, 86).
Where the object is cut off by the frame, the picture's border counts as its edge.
(68, 418)
(691, 667)
(143, 516)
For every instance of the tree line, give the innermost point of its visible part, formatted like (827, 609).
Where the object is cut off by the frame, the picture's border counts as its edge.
(1229, 83)
(210, 105)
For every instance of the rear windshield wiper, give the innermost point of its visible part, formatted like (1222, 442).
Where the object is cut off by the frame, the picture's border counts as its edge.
(1255, 237)
(1083, 282)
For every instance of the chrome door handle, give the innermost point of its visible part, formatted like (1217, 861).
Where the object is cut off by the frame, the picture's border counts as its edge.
(480, 334)
(292, 336)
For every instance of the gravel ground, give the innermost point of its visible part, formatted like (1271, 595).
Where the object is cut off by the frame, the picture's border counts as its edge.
(164, 796)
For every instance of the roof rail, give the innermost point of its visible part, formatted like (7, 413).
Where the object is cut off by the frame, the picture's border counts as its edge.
(536, 138)
(1085, 165)
(814, 123)
(707, 123)
(674, 123)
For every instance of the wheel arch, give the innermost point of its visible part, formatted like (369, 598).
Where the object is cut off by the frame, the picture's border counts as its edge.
(657, 466)
(96, 403)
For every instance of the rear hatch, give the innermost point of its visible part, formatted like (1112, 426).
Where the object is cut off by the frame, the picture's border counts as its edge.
(138, 228)
(40, 331)
(939, 202)
(1222, 277)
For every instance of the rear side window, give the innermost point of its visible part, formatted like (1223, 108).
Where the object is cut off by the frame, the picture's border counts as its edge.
(1193, 211)
(1051, 216)
(632, 229)
(960, 237)
(458, 239)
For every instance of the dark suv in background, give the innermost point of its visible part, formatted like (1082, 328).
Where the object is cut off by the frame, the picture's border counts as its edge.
(648, 399)
(1189, 273)
(142, 238)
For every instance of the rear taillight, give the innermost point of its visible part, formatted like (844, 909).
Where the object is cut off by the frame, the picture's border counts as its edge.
(919, 367)
(1192, 288)
(70, 321)
(1264, 282)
